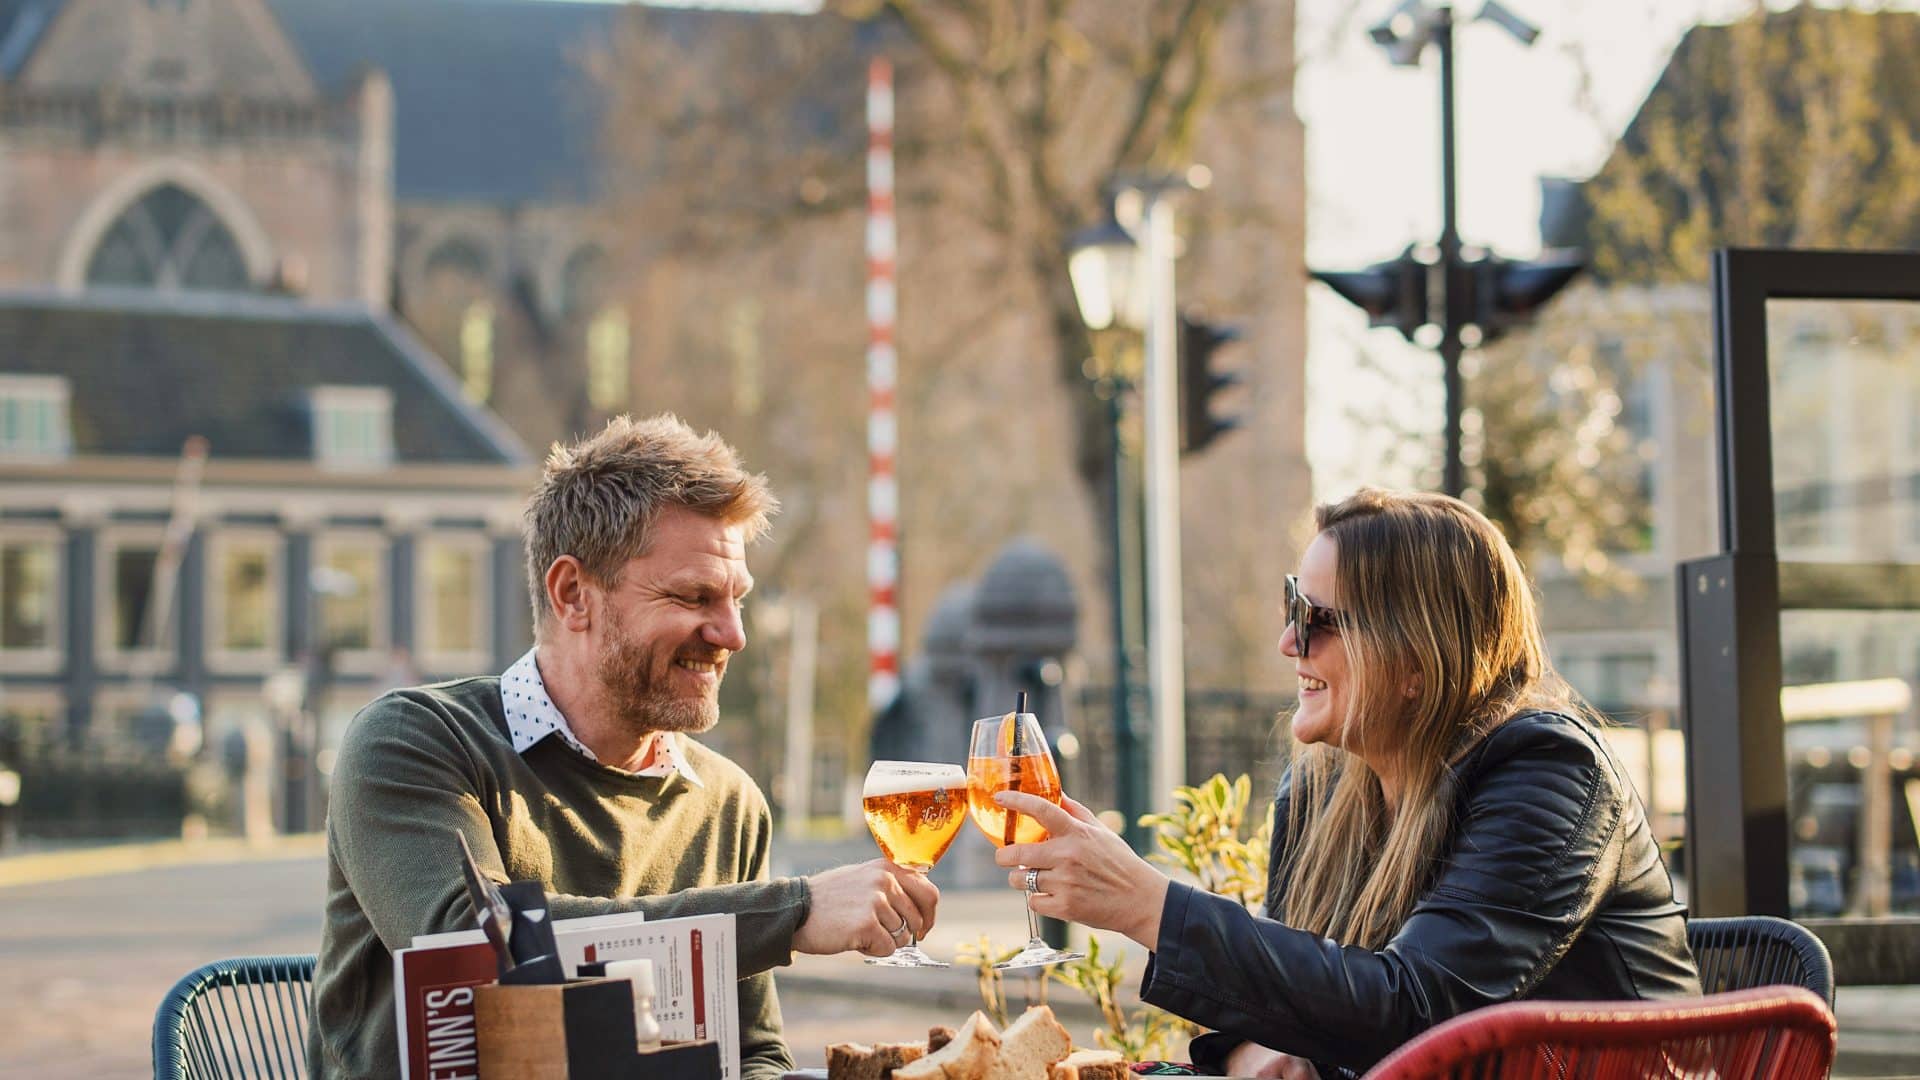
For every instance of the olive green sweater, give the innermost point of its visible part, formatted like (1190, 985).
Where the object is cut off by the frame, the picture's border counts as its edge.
(419, 764)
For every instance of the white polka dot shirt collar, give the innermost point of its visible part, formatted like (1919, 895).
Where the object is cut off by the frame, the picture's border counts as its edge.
(532, 716)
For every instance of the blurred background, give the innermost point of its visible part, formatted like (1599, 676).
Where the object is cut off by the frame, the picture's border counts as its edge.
(294, 295)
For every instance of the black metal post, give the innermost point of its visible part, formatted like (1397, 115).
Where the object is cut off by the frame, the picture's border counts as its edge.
(1129, 766)
(1452, 477)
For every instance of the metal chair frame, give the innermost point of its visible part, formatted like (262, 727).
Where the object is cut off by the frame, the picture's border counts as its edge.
(241, 1018)
(1746, 951)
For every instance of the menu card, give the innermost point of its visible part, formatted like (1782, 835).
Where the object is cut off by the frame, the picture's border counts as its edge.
(695, 972)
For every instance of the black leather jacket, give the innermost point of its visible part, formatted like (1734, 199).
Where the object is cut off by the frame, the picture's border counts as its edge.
(1552, 888)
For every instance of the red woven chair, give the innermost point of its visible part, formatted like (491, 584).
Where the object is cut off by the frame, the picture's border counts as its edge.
(1769, 1033)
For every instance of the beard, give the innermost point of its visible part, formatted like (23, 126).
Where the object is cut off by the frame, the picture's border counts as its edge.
(643, 693)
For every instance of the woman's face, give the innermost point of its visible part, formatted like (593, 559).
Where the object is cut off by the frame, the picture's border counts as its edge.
(1325, 687)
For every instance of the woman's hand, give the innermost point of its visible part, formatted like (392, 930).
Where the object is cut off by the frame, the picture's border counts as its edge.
(1088, 875)
(1252, 1059)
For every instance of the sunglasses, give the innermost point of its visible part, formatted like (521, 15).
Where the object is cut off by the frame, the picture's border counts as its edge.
(1309, 618)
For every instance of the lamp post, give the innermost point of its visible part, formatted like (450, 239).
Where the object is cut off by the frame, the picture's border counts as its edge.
(1144, 286)
(302, 735)
(1103, 263)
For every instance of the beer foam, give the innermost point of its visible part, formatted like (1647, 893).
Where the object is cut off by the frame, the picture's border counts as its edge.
(901, 777)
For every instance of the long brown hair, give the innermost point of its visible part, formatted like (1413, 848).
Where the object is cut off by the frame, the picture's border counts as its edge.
(1434, 598)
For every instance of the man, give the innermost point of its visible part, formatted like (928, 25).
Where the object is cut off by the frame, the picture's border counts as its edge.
(572, 768)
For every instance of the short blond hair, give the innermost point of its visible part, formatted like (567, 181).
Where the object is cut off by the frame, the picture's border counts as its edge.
(600, 497)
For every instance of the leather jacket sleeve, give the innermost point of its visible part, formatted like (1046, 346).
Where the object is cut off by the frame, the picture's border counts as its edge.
(1532, 856)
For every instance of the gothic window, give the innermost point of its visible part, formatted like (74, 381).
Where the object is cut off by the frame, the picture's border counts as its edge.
(454, 309)
(169, 239)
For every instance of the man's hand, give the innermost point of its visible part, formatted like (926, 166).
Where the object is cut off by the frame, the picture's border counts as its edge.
(1252, 1059)
(871, 907)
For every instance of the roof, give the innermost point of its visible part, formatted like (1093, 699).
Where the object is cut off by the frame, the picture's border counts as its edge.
(1682, 177)
(492, 99)
(21, 22)
(145, 370)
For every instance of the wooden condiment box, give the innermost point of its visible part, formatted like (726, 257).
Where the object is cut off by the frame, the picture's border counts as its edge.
(574, 1031)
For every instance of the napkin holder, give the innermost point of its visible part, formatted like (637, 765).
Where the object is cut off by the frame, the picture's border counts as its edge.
(575, 1030)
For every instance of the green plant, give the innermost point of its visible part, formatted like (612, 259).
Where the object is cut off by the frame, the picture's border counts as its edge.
(981, 956)
(1146, 1033)
(1202, 837)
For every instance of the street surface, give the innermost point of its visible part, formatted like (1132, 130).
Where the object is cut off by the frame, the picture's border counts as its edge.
(86, 961)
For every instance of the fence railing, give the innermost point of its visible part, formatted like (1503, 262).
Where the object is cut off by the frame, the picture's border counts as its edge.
(1228, 731)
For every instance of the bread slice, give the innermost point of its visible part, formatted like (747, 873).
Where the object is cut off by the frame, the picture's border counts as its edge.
(1030, 1045)
(970, 1056)
(938, 1037)
(857, 1061)
(1090, 1065)
(852, 1061)
(891, 1056)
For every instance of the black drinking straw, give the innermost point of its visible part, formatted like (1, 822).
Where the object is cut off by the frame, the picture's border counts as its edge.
(1013, 765)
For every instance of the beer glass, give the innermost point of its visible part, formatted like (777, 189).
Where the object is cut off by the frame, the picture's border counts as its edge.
(1009, 753)
(914, 810)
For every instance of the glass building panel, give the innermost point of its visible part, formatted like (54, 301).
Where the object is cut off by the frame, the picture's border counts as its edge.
(1844, 399)
(1852, 741)
(1844, 386)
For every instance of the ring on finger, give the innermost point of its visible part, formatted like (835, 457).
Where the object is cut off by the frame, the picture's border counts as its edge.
(1033, 880)
(898, 930)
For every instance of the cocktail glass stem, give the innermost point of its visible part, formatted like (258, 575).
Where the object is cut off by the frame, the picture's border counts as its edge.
(1037, 953)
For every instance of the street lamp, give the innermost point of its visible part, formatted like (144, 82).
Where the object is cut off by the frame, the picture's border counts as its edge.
(301, 735)
(1113, 281)
(1103, 262)
(1489, 293)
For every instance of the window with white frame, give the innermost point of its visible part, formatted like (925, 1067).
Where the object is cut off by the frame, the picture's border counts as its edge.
(243, 576)
(33, 418)
(454, 602)
(29, 596)
(349, 585)
(352, 426)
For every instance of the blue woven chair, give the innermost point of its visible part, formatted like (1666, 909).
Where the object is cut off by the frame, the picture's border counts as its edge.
(242, 1019)
(1747, 951)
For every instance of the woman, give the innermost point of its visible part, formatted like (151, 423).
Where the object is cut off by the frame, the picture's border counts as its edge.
(1452, 832)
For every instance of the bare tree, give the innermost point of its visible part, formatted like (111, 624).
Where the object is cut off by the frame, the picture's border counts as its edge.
(735, 151)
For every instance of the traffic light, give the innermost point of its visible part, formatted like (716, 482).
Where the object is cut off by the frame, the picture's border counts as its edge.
(1506, 294)
(1392, 293)
(1199, 382)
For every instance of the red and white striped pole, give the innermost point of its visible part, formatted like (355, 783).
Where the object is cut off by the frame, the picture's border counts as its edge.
(883, 492)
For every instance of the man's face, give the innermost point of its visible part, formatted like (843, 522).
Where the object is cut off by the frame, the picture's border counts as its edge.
(672, 621)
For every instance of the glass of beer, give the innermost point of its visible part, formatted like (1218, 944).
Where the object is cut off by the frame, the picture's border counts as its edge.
(914, 810)
(1009, 753)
